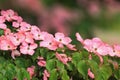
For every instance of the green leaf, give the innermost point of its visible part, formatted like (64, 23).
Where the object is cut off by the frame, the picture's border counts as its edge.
(82, 68)
(25, 74)
(60, 65)
(50, 64)
(64, 75)
(117, 74)
(53, 74)
(37, 53)
(50, 55)
(1, 32)
(95, 69)
(22, 74)
(93, 66)
(76, 58)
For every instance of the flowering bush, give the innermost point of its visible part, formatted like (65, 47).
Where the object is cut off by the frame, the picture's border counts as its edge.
(27, 53)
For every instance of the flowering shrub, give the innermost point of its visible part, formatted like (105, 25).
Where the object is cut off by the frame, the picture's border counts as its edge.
(27, 53)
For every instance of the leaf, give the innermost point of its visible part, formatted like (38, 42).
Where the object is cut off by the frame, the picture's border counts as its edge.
(64, 75)
(93, 66)
(37, 53)
(50, 55)
(22, 74)
(53, 74)
(60, 65)
(82, 68)
(1, 32)
(25, 74)
(106, 71)
(117, 74)
(76, 58)
(95, 69)
(50, 64)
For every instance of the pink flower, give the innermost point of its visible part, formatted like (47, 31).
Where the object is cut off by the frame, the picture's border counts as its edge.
(79, 38)
(49, 42)
(31, 71)
(6, 44)
(3, 26)
(9, 15)
(17, 38)
(46, 75)
(25, 26)
(15, 53)
(29, 37)
(28, 48)
(105, 49)
(37, 35)
(60, 37)
(7, 32)
(116, 50)
(63, 58)
(90, 45)
(71, 47)
(41, 62)
(17, 24)
(90, 74)
(2, 19)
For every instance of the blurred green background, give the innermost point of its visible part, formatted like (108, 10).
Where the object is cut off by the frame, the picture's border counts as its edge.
(91, 18)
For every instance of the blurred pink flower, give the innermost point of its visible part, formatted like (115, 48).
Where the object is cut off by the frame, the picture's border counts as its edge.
(3, 26)
(90, 74)
(31, 71)
(46, 75)
(2, 19)
(116, 50)
(63, 58)
(15, 53)
(41, 62)
(79, 38)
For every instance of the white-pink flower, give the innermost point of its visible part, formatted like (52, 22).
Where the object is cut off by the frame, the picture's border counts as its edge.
(26, 48)
(49, 42)
(17, 38)
(6, 44)
(24, 26)
(60, 37)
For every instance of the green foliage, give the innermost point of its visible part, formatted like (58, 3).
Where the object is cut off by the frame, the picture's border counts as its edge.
(53, 74)
(82, 68)
(1, 32)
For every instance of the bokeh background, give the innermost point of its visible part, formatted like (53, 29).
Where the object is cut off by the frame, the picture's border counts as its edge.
(91, 18)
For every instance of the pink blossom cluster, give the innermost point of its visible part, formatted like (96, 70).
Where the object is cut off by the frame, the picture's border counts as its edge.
(99, 47)
(23, 40)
